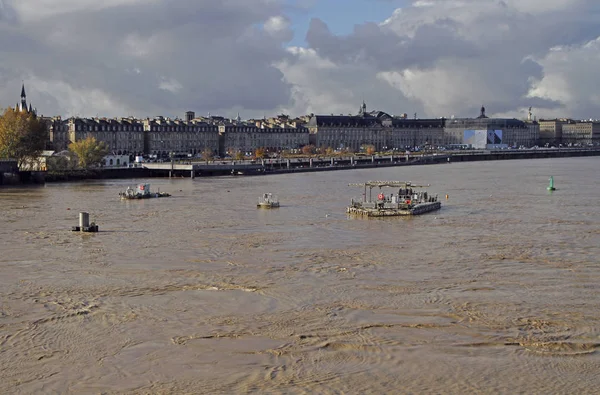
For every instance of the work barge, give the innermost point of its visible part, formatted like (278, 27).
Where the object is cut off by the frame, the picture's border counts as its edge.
(411, 199)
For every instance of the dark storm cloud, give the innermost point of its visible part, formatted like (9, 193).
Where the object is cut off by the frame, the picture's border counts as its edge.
(205, 55)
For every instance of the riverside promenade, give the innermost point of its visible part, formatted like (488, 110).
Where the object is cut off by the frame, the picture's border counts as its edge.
(224, 167)
(295, 165)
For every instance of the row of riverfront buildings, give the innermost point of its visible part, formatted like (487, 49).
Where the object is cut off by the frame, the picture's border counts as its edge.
(193, 135)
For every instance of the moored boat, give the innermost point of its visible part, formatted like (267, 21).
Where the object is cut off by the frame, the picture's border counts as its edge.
(268, 200)
(142, 191)
(410, 200)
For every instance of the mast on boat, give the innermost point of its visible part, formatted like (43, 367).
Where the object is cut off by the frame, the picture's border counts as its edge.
(381, 184)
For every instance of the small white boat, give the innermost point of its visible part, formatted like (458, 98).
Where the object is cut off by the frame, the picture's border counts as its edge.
(268, 200)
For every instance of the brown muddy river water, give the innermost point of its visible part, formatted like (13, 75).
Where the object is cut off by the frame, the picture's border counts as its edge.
(204, 293)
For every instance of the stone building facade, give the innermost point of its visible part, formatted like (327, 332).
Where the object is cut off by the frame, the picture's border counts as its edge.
(248, 137)
(58, 133)
(377, 128)
(584, 133)
(514, 132)
(123, 135)
(164, 136)
(551, 131)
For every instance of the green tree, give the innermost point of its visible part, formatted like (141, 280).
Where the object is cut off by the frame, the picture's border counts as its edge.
(89, 151)
(61, 163)
(23, 136)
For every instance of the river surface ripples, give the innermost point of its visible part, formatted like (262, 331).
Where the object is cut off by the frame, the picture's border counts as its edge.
(204, 293)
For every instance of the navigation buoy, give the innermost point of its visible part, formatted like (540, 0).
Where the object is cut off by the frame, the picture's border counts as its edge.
(446, 197)
(84, 224)
(551, 185)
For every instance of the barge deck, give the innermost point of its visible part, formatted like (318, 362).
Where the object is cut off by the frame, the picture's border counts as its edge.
(408, 201)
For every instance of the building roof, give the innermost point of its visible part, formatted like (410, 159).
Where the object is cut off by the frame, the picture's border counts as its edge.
(484, 123)
(368, 120)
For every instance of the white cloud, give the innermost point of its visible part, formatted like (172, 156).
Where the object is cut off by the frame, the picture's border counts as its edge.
(570, 73)
(35, 10)
(276, 24)
(170, 84)
(449, 57)
(78, 100)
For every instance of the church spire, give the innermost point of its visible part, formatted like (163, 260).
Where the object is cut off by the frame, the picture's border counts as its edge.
(23, 105)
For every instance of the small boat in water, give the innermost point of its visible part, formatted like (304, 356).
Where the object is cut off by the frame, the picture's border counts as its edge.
(410, 200)
(267, 200)
(142, 191)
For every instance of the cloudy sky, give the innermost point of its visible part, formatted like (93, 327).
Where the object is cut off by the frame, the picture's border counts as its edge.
(264, 57)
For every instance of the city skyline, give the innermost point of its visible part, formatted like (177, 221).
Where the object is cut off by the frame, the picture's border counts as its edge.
(260, 58)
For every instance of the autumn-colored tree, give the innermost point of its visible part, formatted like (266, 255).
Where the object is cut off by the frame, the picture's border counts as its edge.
(23, 136)
(259, 153)
(329, 151)
(89, 151)
(370, 149)
(239, 155)
(207, 154)
(308, 149)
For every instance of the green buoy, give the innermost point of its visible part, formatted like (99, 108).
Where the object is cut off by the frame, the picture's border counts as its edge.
(551, 185)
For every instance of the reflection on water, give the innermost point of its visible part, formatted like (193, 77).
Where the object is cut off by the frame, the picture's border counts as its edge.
(203, 293)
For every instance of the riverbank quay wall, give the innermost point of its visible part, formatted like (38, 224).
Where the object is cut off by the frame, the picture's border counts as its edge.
(302, 165)
(297, 165)
(8, 170)
(98, 174)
